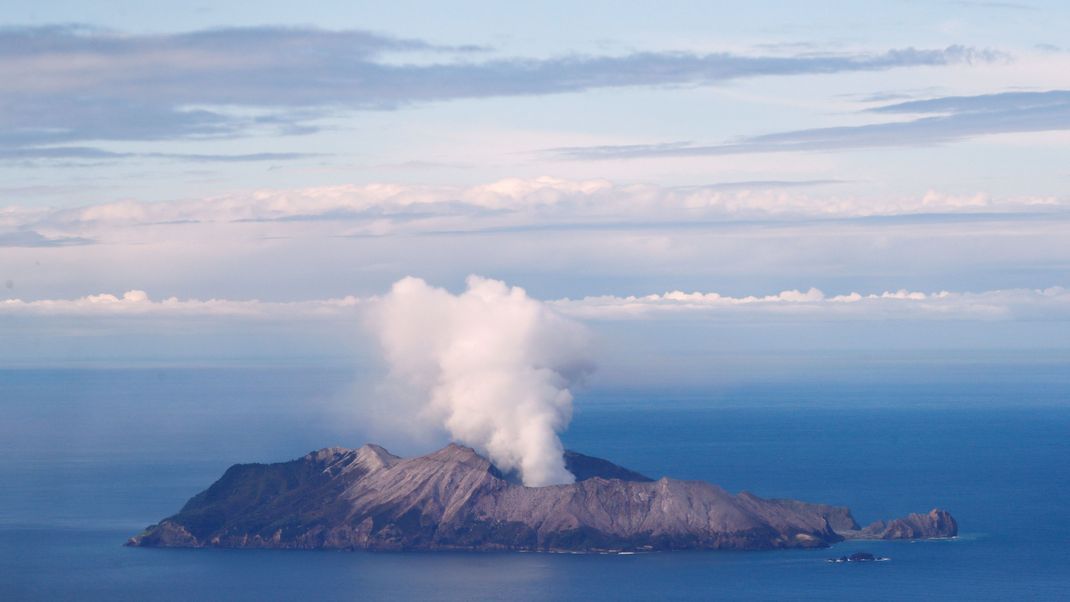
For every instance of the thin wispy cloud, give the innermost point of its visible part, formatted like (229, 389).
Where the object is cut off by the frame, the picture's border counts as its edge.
(939, 121)
(69, 85)
(98, 154)
(1052, 101)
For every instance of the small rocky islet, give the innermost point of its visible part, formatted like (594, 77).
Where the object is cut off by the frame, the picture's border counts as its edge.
(858, 557)
(455, 499)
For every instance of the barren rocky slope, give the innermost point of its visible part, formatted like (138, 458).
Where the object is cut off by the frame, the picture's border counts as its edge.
(367, 498)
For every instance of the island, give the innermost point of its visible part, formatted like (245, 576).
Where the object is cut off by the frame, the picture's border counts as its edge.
(455, 499)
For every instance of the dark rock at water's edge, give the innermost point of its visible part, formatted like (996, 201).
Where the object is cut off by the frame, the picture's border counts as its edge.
(858, 557)
(455, 499)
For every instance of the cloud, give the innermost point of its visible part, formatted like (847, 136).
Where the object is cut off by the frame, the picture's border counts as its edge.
(98, 154)
(942, 120)
(813, 304)
(69, 85)
(1055, 101)
(138, 304)
(793, 304)
(590, 237)
(509, 204)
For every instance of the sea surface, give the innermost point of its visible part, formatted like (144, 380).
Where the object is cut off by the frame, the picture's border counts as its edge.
(89, 457)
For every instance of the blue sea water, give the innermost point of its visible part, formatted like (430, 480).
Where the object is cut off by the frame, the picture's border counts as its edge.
(88, 457)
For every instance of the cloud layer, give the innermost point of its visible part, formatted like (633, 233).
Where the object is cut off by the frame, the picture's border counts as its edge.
(412, 294)
(67, 85)
(382, 209)
(1017, 304)
(136, 303)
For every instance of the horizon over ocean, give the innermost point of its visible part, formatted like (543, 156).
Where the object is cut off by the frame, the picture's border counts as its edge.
(91, 456)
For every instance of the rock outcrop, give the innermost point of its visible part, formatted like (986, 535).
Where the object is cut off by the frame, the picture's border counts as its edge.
(936, 524)
(454, 499)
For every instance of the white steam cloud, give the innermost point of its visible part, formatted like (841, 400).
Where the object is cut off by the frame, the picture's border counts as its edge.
(491, 365)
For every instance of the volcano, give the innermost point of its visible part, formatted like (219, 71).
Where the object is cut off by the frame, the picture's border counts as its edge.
(456, 499)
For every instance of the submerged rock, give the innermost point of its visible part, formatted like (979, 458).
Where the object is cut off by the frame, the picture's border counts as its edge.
(455, 499)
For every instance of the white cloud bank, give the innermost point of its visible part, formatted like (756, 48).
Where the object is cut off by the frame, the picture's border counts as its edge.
(1005, 304)
(135, 303)
(815, 304)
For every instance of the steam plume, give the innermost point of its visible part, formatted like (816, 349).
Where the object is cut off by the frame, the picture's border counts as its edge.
(491, 365)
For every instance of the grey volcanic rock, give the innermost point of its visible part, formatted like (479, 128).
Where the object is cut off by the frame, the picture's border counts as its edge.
(838, 517)
(454, 499)
(937, 523)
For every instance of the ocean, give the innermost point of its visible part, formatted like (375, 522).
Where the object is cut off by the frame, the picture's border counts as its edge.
(90, 456)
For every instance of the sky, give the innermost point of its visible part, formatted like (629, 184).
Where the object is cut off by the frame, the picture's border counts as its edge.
(708, 186)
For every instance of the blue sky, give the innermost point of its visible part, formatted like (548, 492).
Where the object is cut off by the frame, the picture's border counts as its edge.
(273, 170)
